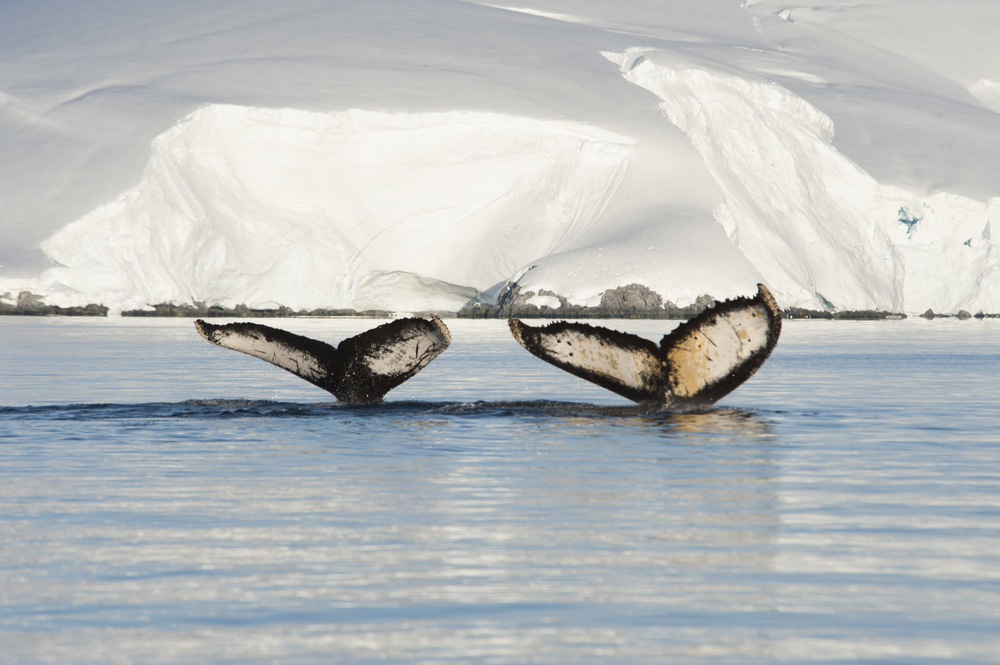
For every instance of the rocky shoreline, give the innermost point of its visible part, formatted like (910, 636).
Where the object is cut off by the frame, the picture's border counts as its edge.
(201, 311)
(28, 304)
(633, 301)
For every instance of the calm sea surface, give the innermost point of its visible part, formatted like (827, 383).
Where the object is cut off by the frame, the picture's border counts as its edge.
(166, 501)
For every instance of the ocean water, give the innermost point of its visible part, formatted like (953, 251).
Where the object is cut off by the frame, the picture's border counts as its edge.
(166, 501)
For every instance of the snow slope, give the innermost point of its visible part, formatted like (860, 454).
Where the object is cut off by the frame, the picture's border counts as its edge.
(417, 155)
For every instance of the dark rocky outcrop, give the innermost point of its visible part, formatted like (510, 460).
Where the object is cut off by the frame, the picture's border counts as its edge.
(631, 298)
(962, 315)
(633, 301)
(29, 304)
(200, 310)
(846, 315)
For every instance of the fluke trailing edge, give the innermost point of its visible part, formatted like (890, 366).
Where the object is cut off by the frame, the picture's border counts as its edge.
(361, 370)
(698, 363)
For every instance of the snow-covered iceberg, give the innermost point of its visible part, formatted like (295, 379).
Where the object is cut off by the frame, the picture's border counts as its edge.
(358, 209)
(712, 146)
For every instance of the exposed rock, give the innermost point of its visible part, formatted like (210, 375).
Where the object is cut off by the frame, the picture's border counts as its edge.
(512, 302)
(846, 315)
(633, 301)
(29, 304)
(199, 310)
(866, 315)
(631, 298)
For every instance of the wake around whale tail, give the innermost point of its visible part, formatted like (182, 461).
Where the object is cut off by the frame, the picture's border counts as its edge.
(698, 363)
(362, 369)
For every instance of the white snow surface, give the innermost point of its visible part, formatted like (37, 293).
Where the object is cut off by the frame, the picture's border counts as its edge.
(987, 92)
(417, 155)
(355, 209)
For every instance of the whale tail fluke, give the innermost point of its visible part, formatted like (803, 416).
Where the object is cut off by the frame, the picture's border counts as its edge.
(698, 363)
(626, 364)
(361, 369)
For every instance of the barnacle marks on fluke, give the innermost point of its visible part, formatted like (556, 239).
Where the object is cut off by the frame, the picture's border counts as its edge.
(696, 364)
(361, 369)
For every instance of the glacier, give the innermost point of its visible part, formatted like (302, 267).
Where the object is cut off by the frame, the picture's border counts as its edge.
(300, 158)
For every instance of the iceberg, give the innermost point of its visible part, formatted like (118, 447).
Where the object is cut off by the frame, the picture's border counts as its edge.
(298, 157)
(357, 209)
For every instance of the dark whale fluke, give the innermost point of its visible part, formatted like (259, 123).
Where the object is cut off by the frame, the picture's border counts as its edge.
(361, 370)
(698, 363)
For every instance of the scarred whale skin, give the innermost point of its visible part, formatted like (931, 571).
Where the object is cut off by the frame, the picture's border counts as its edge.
(696, 364)
(362, 369)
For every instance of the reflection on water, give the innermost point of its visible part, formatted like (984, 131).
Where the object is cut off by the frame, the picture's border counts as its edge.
(717, 424)
(843, 505)
(477, 530)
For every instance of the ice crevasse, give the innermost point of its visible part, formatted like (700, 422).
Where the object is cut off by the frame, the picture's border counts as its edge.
(410, 212)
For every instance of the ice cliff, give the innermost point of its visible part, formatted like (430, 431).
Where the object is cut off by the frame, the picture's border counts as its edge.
(357, 209)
